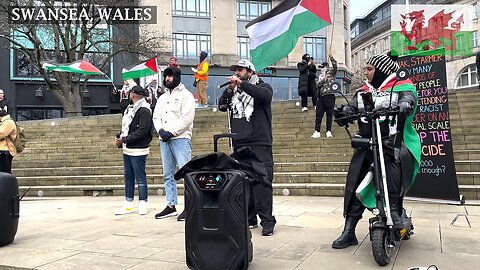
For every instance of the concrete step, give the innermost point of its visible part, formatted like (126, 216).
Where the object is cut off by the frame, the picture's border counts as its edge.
(469, 191)
(331, 177)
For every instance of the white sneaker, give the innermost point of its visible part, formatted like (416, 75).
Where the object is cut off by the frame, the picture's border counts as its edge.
(316, 135)
(329, 134)
(127, 208)
(304, 109)
(142, 208)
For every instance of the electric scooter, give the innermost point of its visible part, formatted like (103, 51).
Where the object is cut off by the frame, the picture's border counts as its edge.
(383, 235)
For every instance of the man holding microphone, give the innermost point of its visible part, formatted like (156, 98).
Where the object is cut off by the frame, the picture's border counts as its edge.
(249, 100)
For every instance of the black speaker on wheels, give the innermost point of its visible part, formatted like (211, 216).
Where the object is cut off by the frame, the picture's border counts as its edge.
(216, 226)
(9, 208)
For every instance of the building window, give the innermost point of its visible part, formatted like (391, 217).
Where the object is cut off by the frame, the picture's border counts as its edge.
(386, 12)
(25, 114)
(474, 11)
(354, 31)
(187, 46)
(316, 48)
(475, 39)
(197, 8)
(468, 77)
(23, 67)
(249, 10)
(243, 48)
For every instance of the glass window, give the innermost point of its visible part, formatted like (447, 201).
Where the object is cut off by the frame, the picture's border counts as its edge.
(354, 31)
(475, 39)
(25, 114)
(474, 11)
(198, 8)
(468, 77)
(316, 47)
(187, 46)
(249, 9)
(243, 49)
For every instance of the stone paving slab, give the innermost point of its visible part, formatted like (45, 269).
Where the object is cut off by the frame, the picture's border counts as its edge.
(83, 233)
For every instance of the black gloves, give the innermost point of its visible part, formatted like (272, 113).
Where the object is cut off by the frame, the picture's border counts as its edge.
(340, 115)
(405, 108)
(165, 135)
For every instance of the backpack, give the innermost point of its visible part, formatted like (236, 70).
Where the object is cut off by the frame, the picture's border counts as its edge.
(20, 140)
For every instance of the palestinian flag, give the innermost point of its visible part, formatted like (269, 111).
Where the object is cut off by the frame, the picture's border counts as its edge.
(274, 34)
(81, 67)
(430, 27)
(143, 69)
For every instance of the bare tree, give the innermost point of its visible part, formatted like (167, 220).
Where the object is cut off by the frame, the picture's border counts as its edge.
(69, 41)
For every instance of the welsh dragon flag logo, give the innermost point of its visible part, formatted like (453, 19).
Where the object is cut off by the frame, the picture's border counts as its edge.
(429, 27)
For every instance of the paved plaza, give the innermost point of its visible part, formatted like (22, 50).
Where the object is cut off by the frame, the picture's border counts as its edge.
(82, 233)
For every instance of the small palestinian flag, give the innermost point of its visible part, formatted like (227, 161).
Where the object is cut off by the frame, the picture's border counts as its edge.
(142, 69)
(274, 34)
(80, 67)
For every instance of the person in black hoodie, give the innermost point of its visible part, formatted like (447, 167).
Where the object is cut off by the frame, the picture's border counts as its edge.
(249, 100)
(135, 139)
(306, 81)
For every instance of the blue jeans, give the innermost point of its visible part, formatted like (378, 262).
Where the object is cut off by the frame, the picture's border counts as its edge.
(174, 152)
(134, 168)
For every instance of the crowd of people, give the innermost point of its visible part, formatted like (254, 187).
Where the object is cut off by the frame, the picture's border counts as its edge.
(168, 114)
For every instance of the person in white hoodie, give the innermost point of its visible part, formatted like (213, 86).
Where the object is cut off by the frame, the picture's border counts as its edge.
(173, 121)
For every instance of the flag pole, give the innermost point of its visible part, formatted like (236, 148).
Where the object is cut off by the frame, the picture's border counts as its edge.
(333, 30)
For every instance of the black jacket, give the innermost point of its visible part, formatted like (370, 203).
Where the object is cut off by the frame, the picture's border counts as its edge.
(140, 130)
(257, 131)
(5, 104)
(306, 79)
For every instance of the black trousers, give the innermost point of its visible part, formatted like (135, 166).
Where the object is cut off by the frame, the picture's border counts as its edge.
(6, 162)
(394, 182)
(325, 104)
(305, 100)
(261, 196)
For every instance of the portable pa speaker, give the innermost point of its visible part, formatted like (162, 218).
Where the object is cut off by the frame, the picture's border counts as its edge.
(216, 226)
(9, 208)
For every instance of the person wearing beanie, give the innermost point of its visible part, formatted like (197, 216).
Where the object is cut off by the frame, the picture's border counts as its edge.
(201, 78)
(134, 139)
(306, 81)
(173, 120)
(400, 141)
(173, 62)
(325, 97)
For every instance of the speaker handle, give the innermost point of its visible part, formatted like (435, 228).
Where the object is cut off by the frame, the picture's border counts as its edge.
(16, 206)
(223, 135)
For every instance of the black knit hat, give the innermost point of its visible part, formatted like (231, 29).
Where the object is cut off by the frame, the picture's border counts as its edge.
(384, 62)
(137, 89)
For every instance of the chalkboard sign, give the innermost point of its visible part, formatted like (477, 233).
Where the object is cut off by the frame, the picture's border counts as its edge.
(437, 178)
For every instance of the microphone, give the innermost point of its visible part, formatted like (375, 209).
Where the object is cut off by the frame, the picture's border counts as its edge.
(224, 84)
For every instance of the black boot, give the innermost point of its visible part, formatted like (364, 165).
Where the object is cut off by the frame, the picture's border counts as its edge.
(347, 238)
(396, 212)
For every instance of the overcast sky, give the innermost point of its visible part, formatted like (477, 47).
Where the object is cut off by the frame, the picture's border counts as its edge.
(359, 8)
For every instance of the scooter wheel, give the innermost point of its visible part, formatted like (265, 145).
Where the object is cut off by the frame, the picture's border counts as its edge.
(380, 249)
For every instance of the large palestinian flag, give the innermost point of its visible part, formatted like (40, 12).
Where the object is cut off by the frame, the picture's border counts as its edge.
(429, 27)
(274, 34)
(142, 69)
(81, 67)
